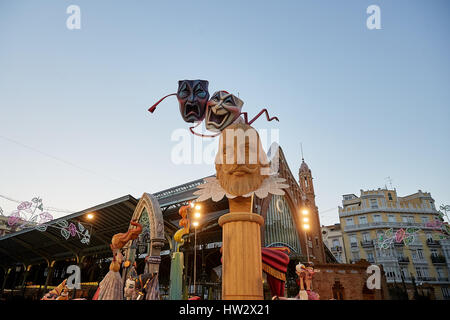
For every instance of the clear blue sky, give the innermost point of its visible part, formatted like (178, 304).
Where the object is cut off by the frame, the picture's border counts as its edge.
(366, 104)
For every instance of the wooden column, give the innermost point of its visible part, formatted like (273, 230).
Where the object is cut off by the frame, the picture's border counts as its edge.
(242, 266)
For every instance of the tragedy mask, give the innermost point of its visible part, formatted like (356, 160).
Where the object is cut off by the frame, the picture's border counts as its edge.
(222, 110)
(192, 96)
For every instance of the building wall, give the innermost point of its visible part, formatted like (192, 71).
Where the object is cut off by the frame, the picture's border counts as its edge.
(363, 219)
(347, 279)
(332, 238)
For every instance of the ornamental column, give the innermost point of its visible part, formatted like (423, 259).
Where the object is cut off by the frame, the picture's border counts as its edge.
(241, 252)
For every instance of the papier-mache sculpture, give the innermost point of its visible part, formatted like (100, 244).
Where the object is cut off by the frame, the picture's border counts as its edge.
(111, 287)
(220, 111)
(242, 172)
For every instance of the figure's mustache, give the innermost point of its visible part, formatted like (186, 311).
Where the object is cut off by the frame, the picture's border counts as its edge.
(242, 168)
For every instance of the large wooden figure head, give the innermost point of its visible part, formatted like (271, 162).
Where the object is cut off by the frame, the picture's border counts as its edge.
(192, 96)
(240, 160)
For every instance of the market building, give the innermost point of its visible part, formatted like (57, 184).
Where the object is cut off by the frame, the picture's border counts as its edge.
(400, 233)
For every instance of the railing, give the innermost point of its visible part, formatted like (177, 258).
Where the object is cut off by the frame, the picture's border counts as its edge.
(433, 243)
(418, 260)
(367, 243)
(438, 259)
(403, 260)
(336, 249)
(385, 224)
(386, 209)
(426, 279)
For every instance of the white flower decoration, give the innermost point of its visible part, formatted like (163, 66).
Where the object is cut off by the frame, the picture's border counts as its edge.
(212, 189)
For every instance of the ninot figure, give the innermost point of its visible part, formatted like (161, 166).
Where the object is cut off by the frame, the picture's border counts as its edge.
(222, 110)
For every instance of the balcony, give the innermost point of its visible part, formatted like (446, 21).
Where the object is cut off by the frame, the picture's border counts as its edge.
(438, 259)
(367, 243)
(384, 225)
(433, 243)
(336, 249)
(427, 279)
(343, 213)
(403, 260)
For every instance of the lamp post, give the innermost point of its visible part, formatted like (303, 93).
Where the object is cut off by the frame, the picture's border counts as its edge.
(195, 223)
(305, 220)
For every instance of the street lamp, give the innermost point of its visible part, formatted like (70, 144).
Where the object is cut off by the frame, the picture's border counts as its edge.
(195, 224)
(306, 227)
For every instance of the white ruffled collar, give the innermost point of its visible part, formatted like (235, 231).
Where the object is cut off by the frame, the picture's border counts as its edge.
(212, 189)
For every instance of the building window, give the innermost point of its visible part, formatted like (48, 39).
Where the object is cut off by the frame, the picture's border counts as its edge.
(391, 218)
(336, 243)
(434, 252)
(445, 292)
(432, 205)
(410, 219)
(349, 221)
(420, 254)
(353, 241)
(377, 218)
(440, 273)
(424, 219)
(366, 236)
(370, 256)
(355, 256)
(373, 203)
(338, 291)
(390, 196)
(362, 220)
(419, 272)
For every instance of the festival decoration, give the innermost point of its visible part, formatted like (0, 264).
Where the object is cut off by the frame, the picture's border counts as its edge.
(192, 97)
(244, 179)
(274, 264)
(32, 215)
(221, 111)
(111, 287)
(442, 228)
(57, 292)
(407, 236)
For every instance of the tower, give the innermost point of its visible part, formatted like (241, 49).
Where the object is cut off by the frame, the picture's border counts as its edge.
(306, 185)
(314, 235)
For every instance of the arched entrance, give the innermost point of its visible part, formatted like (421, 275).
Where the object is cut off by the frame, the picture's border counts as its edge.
(151, 240)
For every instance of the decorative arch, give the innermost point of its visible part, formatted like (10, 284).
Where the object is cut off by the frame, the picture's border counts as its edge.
(149, 214)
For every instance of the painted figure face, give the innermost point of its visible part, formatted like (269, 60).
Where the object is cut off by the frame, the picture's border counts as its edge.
(222, 110)
(192, 96)
(240, 159)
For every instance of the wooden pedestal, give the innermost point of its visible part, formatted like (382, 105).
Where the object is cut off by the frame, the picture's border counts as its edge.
(241, 253)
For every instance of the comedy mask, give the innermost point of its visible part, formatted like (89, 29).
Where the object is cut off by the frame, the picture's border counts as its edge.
(240, 159)
(192, 96)
(222, 110)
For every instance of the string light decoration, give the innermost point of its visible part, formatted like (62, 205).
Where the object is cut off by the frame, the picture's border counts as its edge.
(407, 236)
(32, 215)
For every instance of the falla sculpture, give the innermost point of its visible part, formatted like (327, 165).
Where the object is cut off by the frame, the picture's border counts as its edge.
(242, 172)
(220, 111)
(111, 287)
